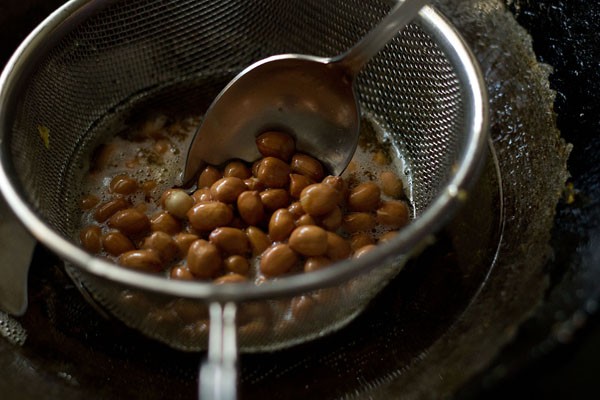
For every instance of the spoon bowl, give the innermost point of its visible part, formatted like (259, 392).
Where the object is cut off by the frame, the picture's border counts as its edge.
(311, 98)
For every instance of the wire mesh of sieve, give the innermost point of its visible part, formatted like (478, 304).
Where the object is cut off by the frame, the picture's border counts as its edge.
(107, 57)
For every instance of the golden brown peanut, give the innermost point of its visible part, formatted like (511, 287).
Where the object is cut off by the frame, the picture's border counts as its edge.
(123, 184)
(204, 259)
(230, 240)
(237, 222)
(250, 207)
(181, 272)
(381, 158)
(338, 248)
(165, 222)
(332, 220)
(273, 172)
(339, 184)
(143, 260)
(318, 199)
(308, 166)
(274, 199)
(364, 250)
(360, 239)
(364, 197)
(183, 241)
(202, 195)
(391, 185)
(90, 238)
(277, 260)
(88, 202)
(281, 225)
(141, 207)
(316, 263)
(297, 184)
(208, 176)
(386, 237)
(276, 144)
(130, 221)
(163, 244)
(393, 214)
(230, 278)
(259, 241)
(178, 203)
(211, 215)
(227, 189)
(305, 219)
(253, 183)
(358, 222)
(310, 240)
(105, 210)
(115, 243)
(237, 169)
(296, 209)
(237, 264)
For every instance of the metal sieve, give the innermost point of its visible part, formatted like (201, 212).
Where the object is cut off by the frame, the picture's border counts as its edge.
(92, 65)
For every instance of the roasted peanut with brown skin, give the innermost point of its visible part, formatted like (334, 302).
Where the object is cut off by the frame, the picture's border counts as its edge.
(332, 220)
(237, 264)
(358, 222)
(276, 144)
(309, 240)
(208, 176)
(259, 241)
(363, 250)
(391, 185)
(364, 197)
(338, 248)
(316, 263)
(165, 222)
(360, 239)
(230, 240)
(105, 210)
(181, 272)
(123, 184)
(163, 244)
(88, 202)
(204, 259)
(298, 183)
(115, 243)
(211, 215)
(318, 199)
(281, 225)
(237, 169)
(183, 241)
(143, 260)
(274, 199)
(227, 189)
(273, 172)
(308, 166)
(250, 207)
(130, 221)
(277, 260)
(90, 238)
(393, 214)
(201, 195)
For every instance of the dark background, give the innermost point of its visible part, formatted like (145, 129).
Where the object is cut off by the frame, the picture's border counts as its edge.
(566, 35)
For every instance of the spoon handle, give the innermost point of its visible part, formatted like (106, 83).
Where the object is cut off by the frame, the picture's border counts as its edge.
(400, 15)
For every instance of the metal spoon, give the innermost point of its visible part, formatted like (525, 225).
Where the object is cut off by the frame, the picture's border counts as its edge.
(312, 98)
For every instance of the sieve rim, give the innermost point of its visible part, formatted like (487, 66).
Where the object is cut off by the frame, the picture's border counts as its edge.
(439, 212)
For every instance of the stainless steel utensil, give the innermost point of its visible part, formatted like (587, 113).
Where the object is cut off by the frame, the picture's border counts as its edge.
(313, 98)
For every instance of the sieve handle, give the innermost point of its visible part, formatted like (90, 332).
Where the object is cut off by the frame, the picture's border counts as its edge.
(218, 374)
(16, 251)
(400, 15)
